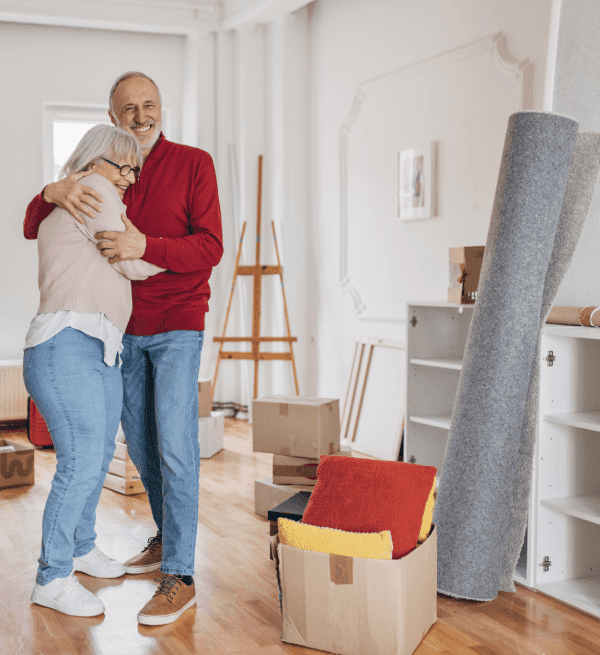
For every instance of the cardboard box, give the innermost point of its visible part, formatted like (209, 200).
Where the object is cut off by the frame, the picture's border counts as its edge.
(465, 269)
(211, 434)
(123, 476)
(358, 606)
(17, 469)
(299, 470)
(204, 398)
(296, 426)
(268, 495)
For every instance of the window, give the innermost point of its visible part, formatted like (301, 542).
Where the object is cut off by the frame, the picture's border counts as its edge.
(65, 124)
(66, 135)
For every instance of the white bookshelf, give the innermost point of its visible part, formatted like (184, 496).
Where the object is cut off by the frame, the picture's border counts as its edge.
(568, 468)
(564, 513)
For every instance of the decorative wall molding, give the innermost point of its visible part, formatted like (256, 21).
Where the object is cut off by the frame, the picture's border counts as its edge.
(260, 11)
(208, 10)
(497, 46)
(552, 55)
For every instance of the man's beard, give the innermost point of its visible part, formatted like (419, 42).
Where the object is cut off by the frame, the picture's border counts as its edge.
(157, 130)
(148, 146)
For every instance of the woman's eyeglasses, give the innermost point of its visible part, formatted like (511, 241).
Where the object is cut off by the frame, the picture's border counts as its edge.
(125, 169)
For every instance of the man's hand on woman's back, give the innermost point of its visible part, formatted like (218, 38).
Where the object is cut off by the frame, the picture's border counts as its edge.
(68, 194)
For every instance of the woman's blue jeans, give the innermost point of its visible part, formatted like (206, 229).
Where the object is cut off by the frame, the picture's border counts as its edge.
(80, 398)
(160, 422)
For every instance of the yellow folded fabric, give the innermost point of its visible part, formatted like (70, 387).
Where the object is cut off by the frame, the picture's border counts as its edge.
(427, 516)
(375, 545)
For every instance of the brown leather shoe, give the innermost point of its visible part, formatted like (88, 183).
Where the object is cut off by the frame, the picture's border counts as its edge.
(169, 602)
(148, 560)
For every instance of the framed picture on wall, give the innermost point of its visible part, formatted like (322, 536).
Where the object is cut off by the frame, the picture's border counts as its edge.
(417, 168)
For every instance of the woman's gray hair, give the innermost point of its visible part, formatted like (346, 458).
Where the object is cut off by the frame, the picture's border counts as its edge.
(102, 141)
(126, 76)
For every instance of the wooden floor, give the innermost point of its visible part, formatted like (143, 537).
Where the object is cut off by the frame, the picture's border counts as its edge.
(237, 611)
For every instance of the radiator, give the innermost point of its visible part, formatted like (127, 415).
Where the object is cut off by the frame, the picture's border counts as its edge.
(13, 395)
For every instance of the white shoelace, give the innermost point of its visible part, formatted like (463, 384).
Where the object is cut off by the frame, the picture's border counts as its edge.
(73, 586)
(101, 556)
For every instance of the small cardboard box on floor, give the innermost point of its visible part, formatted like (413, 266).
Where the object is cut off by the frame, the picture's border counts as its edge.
(358, 606)
(16, 468)
(296, 426)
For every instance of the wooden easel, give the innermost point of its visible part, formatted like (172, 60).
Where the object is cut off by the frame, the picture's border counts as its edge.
(257, 272)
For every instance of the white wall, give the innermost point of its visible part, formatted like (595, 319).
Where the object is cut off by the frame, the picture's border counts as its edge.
(350, 42)
(577, 94)
(63, 65)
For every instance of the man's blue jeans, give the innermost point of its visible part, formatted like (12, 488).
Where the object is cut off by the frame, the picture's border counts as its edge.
(160, 422)
(80, 398)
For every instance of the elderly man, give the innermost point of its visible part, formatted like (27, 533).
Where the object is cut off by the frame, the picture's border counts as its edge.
(174, 223)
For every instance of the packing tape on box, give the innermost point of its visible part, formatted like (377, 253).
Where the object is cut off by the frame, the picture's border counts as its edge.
(587, 316)
(304, 471)
(341, 569)
(7, 449)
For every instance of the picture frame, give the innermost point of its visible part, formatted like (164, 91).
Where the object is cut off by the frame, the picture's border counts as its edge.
(417, 182)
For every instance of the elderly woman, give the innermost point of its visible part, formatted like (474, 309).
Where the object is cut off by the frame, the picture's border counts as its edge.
(71, 367)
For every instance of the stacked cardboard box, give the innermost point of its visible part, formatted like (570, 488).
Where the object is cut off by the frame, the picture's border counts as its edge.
(297, 431)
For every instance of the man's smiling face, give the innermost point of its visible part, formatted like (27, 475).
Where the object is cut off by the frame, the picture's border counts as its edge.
(136, 107)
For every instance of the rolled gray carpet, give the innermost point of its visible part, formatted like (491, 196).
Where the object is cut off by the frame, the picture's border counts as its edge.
(583, 176)
(475, 496)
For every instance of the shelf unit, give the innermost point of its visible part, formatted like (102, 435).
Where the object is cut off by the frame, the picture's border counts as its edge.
(564, 512)
(568, 468)
(436, 338)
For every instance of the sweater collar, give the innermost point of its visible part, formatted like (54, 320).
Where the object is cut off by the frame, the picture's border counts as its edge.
(158, 150)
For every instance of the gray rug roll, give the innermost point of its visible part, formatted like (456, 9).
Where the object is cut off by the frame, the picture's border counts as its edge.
(475, 496)
(583, 175)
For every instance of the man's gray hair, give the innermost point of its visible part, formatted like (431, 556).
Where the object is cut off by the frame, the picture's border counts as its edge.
(103, 141)
(126, 76)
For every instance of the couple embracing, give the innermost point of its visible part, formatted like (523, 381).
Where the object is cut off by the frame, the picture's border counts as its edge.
(127, 240)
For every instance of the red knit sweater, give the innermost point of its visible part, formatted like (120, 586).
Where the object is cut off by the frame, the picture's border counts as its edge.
(176, 198)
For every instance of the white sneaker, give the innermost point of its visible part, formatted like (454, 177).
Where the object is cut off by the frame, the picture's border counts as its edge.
(98, 565)
(66, 595)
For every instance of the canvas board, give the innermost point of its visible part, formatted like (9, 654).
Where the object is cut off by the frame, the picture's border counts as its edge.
(378, 425)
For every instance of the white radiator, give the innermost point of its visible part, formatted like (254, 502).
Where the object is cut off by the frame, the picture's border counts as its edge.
(13, 395)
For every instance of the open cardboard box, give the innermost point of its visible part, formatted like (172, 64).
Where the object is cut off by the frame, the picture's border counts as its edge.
(358, 606)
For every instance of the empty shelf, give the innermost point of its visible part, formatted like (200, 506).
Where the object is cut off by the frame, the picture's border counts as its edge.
(581, 507)
(454, 364)
(585, 420)
(436, 421)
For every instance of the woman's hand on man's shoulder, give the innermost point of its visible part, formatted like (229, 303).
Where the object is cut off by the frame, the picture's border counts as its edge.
(70, 195)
